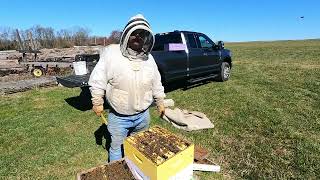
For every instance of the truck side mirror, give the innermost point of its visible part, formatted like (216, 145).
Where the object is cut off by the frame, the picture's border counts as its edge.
(220, 44)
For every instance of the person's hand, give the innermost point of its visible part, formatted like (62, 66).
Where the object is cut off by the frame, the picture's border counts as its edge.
(98, 110)
(161, 109)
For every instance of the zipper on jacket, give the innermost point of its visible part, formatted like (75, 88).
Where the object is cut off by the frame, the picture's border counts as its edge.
(136, 88)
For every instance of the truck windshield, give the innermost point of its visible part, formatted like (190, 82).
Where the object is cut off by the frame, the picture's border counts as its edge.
(161, 40)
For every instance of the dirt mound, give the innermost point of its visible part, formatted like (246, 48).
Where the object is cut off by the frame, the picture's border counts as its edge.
(115, 170)
(65, 54)
(23, 85)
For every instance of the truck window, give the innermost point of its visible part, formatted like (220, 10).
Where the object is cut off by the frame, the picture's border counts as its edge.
(204, 41)
(192, 41)
(161, 40)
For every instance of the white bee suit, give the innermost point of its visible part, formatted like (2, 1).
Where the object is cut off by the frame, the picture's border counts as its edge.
(129, 80)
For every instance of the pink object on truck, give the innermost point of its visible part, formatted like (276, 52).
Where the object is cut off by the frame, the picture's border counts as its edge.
(174, 47)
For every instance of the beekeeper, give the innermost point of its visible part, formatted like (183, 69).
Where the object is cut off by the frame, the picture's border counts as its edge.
(128, 77)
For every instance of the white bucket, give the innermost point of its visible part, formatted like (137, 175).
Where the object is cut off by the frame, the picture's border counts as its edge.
(80, 67)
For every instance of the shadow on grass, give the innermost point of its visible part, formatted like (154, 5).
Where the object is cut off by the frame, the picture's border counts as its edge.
(103, 133)
(83, 101)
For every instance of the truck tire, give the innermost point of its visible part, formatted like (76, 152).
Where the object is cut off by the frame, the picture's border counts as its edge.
(224, 73)
(37, 72)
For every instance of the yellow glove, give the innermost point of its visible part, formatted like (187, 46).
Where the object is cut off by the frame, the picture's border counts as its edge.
(161, 109)
(98, 109)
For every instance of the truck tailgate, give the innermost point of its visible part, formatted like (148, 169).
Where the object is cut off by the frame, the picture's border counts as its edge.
(74, 80)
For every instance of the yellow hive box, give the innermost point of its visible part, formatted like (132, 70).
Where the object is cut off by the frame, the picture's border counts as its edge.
(159, 154)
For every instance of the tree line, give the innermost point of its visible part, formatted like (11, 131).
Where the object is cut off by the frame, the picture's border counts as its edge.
(38, 37)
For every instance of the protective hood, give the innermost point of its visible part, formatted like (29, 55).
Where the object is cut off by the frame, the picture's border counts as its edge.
(137, 22)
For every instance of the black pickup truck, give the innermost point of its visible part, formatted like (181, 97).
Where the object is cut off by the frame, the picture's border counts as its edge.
(180, 55)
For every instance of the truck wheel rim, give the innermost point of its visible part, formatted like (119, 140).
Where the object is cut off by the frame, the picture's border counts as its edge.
(226, 72)
(37, 72)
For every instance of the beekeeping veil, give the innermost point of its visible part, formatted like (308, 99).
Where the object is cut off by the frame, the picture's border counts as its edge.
(137, 25)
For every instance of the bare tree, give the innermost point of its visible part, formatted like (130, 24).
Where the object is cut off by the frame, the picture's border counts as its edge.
(81, 36)
(7, 38)
(114, 37)
(47, 37)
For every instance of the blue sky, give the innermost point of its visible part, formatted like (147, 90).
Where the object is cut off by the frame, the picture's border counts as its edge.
(228, 20)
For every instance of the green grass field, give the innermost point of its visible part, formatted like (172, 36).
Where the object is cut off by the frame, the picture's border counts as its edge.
(267, 120)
